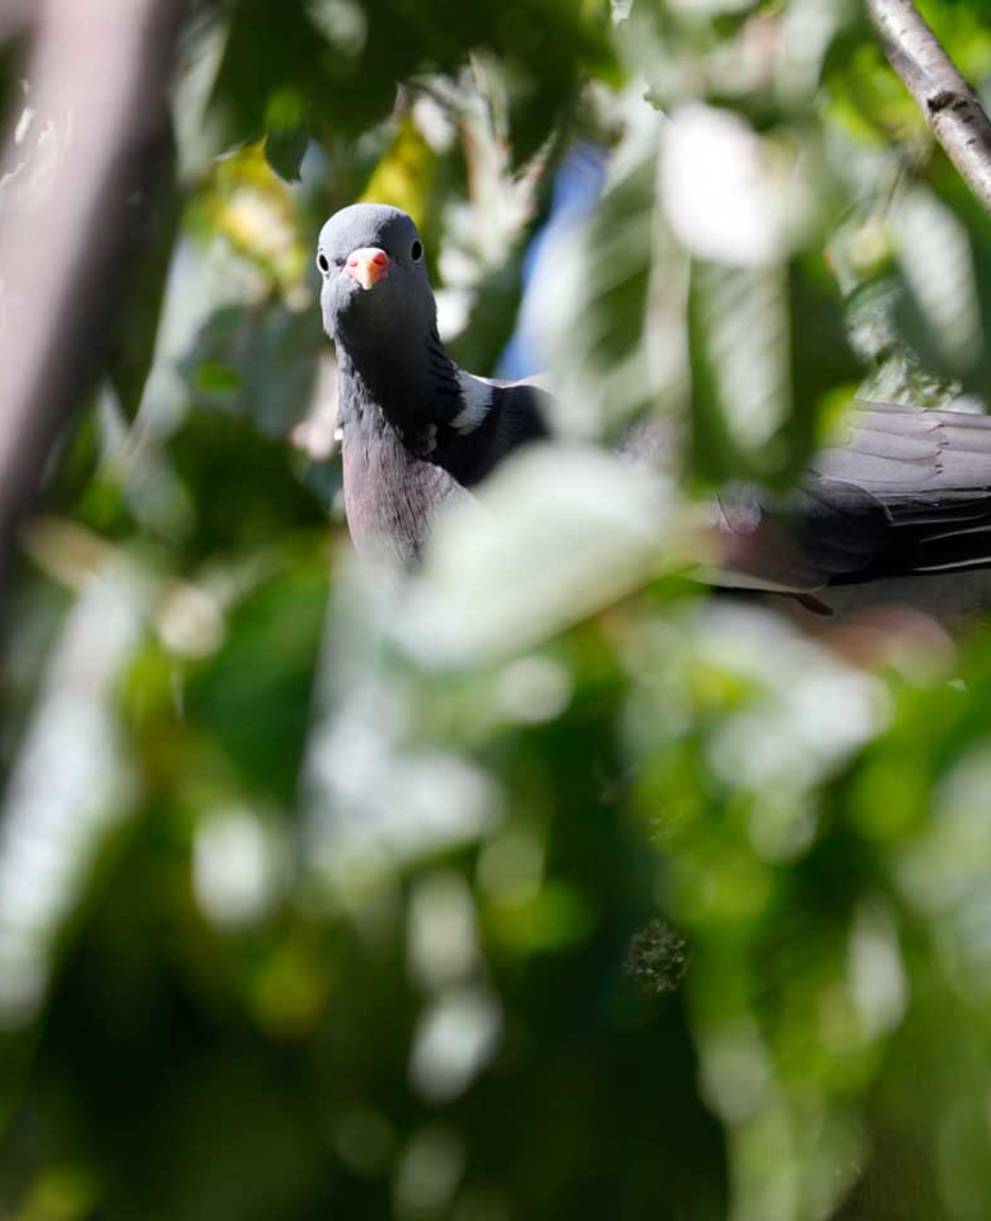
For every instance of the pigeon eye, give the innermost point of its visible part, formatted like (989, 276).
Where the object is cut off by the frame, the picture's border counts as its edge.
(322, 263)
(416, 251)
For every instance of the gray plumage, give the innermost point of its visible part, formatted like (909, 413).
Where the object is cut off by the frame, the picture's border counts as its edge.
(899, 492)
(416, 429)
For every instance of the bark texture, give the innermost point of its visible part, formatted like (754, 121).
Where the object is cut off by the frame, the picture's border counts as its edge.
(956, 117)
(98, 75)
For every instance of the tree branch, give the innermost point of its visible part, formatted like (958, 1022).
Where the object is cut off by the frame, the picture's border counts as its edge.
(98, 76)
(14, 18)
(956, 117)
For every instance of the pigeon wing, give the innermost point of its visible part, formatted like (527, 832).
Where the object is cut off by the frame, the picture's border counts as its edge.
(516, 415)
(897, 491)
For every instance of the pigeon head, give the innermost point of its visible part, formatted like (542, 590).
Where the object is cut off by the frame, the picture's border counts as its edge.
(375, 292)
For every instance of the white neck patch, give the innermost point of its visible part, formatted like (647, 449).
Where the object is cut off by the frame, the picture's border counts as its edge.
(477, 398)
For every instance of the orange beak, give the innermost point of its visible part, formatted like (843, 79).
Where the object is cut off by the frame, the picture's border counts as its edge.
(367, 265)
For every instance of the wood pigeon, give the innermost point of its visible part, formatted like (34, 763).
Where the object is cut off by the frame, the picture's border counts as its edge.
(415, 429)
(900, 492)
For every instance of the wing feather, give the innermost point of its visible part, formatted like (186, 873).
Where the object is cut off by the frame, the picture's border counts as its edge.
(898, 490)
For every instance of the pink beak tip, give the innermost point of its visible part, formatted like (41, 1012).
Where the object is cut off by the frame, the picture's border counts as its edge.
(367, 265)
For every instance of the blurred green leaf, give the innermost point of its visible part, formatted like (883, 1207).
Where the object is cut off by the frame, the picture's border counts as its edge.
(265, 666)
(284, 151)
(538, 882)
(260, 363)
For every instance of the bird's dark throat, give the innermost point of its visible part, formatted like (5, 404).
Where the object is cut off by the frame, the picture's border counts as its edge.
(411, 388)
(392, 486)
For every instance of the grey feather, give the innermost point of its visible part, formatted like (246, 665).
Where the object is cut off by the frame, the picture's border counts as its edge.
(415, 429)
(898, 491)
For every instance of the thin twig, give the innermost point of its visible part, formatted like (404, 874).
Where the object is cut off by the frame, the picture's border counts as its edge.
(956, 117)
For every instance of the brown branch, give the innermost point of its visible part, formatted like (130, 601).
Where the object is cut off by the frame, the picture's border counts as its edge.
(956, 117)
(98, 74)
(15, 18)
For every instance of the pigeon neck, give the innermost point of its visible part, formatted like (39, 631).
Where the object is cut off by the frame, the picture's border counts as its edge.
(388, 412)
(411, 388)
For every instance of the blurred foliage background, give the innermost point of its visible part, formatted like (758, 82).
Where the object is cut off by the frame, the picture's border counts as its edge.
(540, 883)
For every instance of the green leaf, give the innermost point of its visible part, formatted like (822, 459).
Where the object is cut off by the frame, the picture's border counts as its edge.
(260, 362)
(284, 151)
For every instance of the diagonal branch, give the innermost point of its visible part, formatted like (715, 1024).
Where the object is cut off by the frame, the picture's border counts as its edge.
(99, 74)
(956, 117)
